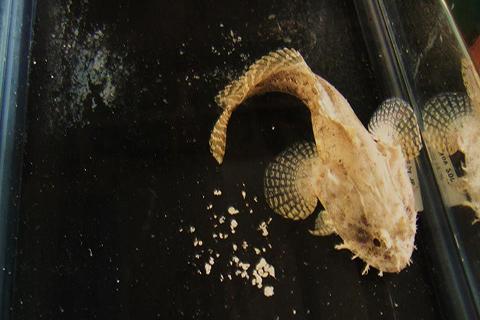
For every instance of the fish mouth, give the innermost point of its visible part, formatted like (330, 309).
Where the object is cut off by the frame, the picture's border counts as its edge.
(390, 262)
(394, 264)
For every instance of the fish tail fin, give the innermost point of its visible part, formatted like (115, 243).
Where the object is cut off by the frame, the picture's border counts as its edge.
(273, 72)
(239, 90)
(287, 186)
(395, 121)
(443, 116)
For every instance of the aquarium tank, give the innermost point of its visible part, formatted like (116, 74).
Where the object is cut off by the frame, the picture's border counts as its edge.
(239, 160)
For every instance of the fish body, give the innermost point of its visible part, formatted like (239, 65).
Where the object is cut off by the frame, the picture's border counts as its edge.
(360, 178)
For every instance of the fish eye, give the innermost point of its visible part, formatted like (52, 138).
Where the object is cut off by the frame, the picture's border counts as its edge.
(376, 242)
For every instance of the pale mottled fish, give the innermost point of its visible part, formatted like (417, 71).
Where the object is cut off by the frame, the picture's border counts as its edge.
(360, 180)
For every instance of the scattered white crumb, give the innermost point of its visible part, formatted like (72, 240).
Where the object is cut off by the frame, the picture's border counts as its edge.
(197, 242)
(221, 219)
(244, 266)
(223, 235)
(264, 269)
(233, 225)
(232, 211)
(217, 192)
(268, 291)
(208, 268)
(263, 228)
(210, 206)
(244, 194)
(234, 246)
(192, 229)
(244, 245)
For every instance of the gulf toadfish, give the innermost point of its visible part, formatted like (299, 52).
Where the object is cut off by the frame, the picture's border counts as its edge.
(360, 178)
(452, 123)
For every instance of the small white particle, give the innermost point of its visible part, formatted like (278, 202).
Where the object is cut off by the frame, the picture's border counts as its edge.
(221, 220)
(197, 242)
(263, 228)
(217, 192)
(244, 266)
(244, 194)
(232, 211)
(233, 225)
(208, 268)
(268, 291)
(271, 17)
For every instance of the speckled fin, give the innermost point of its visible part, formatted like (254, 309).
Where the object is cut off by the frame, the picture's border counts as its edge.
(323, 225)
(471, 81)
(280, 71)
(287, 185)
(443, 115)
(395, 121)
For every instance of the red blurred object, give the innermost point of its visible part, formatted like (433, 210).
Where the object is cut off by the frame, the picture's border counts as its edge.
(474, 50)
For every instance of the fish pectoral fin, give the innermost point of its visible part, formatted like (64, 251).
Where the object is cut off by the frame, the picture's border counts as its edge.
(444, 116)
(395, 122)
(289, 186)
(323, 225)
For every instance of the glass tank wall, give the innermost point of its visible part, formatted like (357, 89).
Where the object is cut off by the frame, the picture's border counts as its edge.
(444, 84)
(124, 213)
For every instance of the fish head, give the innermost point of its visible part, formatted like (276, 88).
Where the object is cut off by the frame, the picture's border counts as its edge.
(382, 226)
(387, 247)
(371, 202)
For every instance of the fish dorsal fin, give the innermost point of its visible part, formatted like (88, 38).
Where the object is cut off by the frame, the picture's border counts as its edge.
(443, 116)
(395, 121)
(288, 184)
(282, 71)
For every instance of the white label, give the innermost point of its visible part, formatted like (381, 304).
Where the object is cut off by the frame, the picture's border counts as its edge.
(446, 175)
(412, 172)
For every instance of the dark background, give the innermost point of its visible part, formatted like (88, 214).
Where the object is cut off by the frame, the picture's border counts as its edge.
(116, 190)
